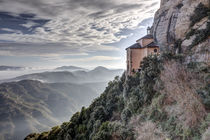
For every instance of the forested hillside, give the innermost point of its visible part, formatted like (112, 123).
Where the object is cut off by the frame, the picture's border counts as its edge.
(31, 106)
(169, 99)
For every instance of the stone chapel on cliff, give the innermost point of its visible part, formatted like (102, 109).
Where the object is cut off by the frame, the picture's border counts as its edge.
(142, 48)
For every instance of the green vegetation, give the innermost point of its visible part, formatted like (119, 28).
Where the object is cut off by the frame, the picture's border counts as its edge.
(48, 104)
(190, 33)
(204, 71)
(143, 96)
(167, 97)
(110, 130)
(200, 12)
(204, 91)
(108, 116)
(201, 35)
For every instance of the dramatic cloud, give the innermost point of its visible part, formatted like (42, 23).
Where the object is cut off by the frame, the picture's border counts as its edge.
(48, 49)
(58, 27)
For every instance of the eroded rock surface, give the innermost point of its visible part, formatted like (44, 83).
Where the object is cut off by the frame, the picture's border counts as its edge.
(172, 22)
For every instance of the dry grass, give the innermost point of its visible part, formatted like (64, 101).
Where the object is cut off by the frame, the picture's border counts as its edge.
(206, 135)
(182, 100)
(115, 116)
(146, 130)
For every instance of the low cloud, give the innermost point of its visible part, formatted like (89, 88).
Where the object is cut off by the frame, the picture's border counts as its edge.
(49, 49)
(85, 59)
(67, 27)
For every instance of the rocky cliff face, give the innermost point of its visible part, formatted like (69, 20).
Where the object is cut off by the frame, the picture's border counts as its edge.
(168, 99)
(173, 22)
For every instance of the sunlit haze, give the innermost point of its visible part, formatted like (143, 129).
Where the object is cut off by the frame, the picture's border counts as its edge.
(52, 33)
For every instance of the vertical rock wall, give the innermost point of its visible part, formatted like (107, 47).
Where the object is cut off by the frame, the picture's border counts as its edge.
(172, 22)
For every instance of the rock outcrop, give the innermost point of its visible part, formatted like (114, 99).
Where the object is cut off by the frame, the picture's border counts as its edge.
(168, 99)
(172, 22)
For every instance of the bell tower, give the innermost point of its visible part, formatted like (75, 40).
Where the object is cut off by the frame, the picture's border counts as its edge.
(149, 30)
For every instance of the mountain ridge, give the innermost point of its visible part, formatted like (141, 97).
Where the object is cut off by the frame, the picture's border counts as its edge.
(168, 99)
(6, 68)
(71, 68)
(28, 105)
(95, 75)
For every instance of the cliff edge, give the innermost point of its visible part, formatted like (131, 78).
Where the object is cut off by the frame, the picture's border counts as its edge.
(183, 26)
(169, 99)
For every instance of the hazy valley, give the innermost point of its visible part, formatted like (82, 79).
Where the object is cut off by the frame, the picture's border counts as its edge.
(39, 101)
(163, 94)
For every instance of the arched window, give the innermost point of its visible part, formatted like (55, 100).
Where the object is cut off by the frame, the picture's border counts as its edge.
(155, 50)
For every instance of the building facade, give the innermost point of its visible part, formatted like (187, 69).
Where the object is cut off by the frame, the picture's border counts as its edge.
(142, 48)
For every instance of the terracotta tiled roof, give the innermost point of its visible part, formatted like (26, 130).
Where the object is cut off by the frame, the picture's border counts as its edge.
(138, 46)
(135, 46)
(153, 44)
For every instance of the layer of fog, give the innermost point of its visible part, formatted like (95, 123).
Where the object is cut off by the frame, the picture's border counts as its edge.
(15, 73)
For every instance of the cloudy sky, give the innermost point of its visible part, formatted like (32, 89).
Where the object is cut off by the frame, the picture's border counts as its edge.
(87, 33)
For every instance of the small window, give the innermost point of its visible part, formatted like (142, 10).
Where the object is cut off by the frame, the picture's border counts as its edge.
(155, 50)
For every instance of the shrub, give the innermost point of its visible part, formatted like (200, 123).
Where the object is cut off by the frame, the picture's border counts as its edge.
(170, 56)
(175, 107)
(154, 111)
(54, 132)
(204, 93)
(180, 85)
(125, 115)
(131, 83)
(190, 33)
(32, 136)
(200, 12)
(110, 130)
(206, 135)
(151, 68)
(149, 131)
(201, 35)
(43, 136)
(139, 88)
(104, 132)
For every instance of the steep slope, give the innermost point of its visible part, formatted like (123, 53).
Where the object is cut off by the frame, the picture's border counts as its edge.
(29, 106)
(184, 26)
(153, 104)
(168, 99)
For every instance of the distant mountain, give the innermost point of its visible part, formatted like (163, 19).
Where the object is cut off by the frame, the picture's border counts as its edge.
(103, 70)
(99, 74)
(41, 100)
(5, 68)
(70, 68)
(50, 77)
(31, 106)
(100, 68)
